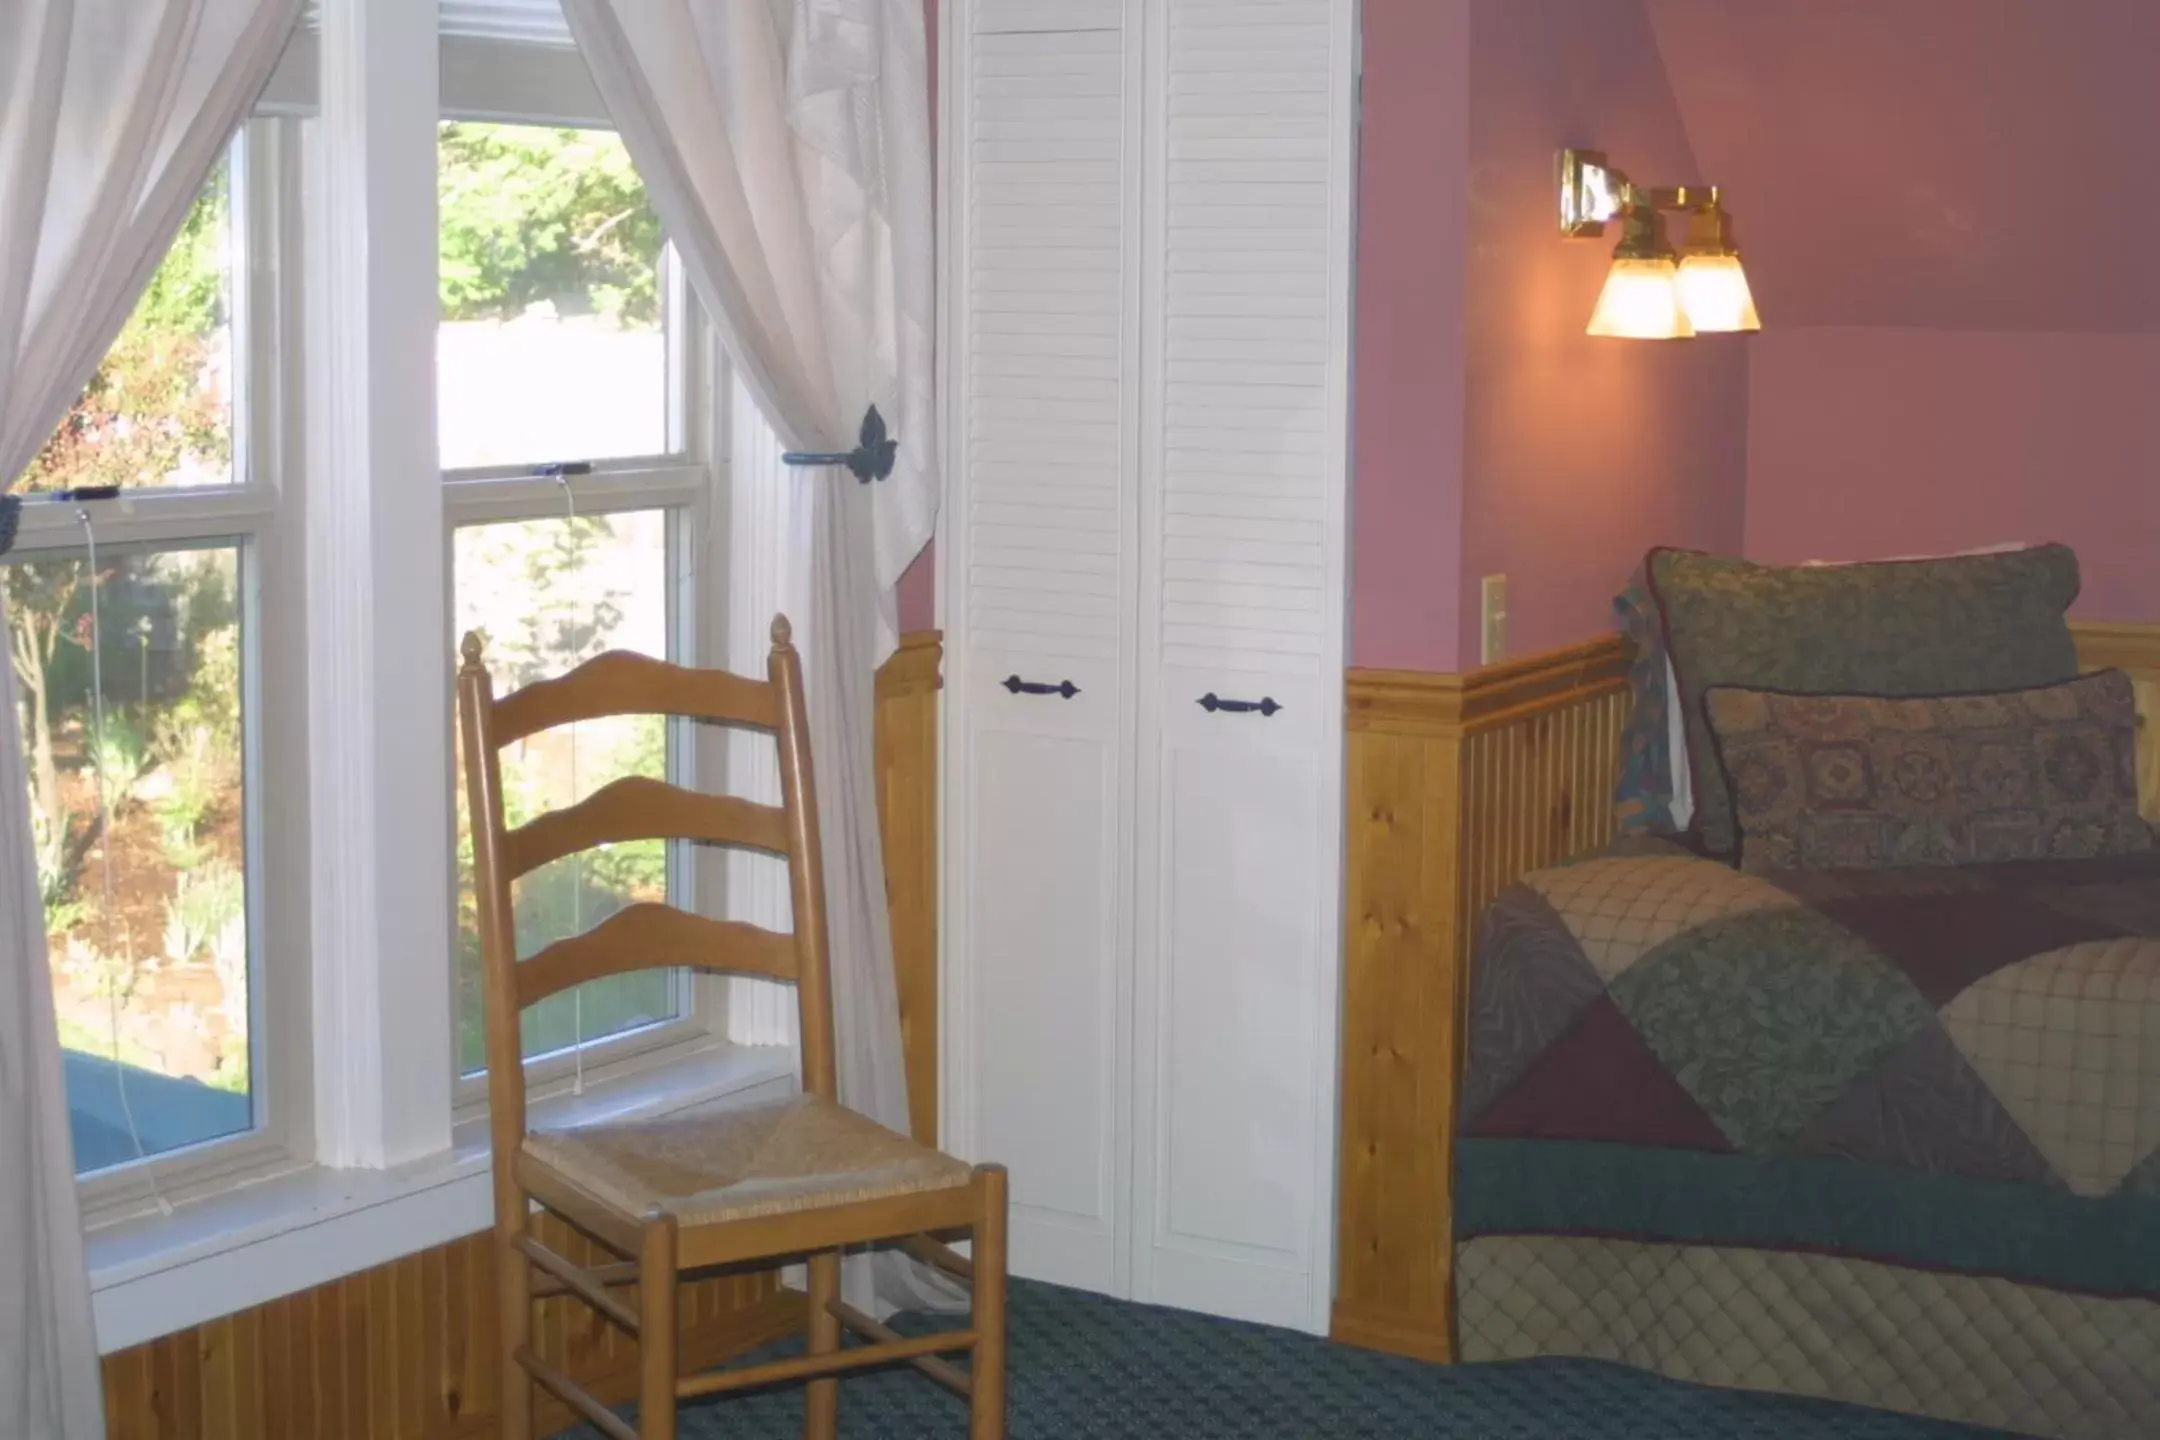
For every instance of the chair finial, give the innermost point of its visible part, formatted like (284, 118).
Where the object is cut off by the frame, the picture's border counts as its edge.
(783, 634)
(473, 645)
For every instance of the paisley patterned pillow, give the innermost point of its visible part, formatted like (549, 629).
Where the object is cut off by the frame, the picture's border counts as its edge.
(1836, 782)
(1889, 627)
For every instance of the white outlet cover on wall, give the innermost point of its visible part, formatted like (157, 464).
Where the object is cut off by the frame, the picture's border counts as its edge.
(1493, 609)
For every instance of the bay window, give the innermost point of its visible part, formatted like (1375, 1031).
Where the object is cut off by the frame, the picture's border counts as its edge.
(235, 677)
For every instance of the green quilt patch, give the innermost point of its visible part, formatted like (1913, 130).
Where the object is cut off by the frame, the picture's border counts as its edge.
(1767, 1017)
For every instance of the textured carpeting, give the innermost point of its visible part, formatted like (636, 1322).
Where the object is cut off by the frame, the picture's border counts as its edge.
(1087, 1368)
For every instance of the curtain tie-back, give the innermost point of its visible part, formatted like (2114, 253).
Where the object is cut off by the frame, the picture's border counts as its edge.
(871, 459)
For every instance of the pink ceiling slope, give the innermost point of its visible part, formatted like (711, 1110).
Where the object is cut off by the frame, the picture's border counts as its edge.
(1953, 164)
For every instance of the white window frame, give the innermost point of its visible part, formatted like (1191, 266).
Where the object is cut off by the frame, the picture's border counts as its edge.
(386, 1152)
(257, 514)
(682, 483)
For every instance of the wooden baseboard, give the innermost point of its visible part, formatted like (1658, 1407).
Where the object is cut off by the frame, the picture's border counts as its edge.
(1410, 1335)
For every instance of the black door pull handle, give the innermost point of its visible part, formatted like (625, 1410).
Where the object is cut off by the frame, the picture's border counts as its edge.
(1019, 686)
(1265, 705)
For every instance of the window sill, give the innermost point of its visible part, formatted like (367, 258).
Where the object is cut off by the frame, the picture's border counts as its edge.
(291, 1232)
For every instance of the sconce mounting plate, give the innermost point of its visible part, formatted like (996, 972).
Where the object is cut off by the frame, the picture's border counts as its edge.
(1591, 193)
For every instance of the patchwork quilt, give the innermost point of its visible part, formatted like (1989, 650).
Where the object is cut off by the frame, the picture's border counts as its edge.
(1952, 1069)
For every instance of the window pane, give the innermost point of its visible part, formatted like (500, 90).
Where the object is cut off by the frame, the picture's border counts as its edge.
(159, 410)
(550, 594)
(552, 345)
(145, 895)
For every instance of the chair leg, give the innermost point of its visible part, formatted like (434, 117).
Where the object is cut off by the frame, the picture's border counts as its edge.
(513, 1282)
(986, 1403)
(656, 1331)
(821, 1398)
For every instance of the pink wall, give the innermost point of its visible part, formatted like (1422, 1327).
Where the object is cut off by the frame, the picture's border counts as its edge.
(916, 595)
(1407, 399)
(1871, 442)
(1579, 454)
(1950, 359)
(1491, 434)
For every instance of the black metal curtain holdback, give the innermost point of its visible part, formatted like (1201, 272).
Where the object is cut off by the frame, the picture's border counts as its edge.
(871, 459)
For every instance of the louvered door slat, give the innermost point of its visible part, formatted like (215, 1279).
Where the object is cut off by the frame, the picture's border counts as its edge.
(1039, 570)
(1046, 260)
(1242, 534)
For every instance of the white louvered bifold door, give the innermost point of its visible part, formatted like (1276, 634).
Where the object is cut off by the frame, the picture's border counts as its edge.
(1245, 359)
(1037, 550)
(1148, 247)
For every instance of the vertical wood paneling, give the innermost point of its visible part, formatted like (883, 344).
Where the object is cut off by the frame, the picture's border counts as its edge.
(2134, 648)
(1457, 784)
(907, 746)
(402, 1352)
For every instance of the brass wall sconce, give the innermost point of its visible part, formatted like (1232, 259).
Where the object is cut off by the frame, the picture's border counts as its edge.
(1654, 292)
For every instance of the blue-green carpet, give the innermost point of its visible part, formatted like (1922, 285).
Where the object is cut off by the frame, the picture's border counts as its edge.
(1087, 1368)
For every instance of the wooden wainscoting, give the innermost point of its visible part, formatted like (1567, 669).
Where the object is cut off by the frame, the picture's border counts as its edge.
(2112, 645)
(907, 749)
(1458, 784)
(406, 1351)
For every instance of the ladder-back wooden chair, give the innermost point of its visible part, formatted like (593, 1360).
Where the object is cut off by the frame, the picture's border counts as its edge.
(800, 1178)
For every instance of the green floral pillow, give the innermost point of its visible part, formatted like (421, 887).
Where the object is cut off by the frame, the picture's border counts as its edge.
(1894, 627)
(1840, 782)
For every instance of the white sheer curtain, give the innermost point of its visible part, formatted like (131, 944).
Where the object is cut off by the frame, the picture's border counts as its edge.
(786, 145)
(112, 113)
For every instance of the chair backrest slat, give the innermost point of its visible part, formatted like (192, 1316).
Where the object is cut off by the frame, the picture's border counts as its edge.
(620, 683)
(647, 936)
(638, 807)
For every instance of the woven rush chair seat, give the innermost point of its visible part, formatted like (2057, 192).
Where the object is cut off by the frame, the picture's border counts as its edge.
(805, 1153)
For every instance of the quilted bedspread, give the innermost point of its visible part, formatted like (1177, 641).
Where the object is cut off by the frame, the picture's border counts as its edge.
(1956, 1069)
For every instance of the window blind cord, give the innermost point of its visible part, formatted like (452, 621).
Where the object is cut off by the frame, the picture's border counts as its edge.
(105, 845)
(577, 862)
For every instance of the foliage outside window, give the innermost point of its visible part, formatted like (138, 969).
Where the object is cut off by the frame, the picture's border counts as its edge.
(159, 410)
(550, 594)
(552, 345)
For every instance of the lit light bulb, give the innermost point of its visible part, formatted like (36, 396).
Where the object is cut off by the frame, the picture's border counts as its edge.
(1641, 301)
(1714, 293)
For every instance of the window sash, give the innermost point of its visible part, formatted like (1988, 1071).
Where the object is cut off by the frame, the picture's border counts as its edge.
(527, 84)
(690, 424)
(481, 78)
(681, 493)
(247, 513)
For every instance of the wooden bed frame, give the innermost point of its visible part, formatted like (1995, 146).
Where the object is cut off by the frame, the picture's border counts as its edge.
(1458, 785)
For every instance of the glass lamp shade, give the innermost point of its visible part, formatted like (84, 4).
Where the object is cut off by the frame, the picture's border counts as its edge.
(1641, 301)
(1714, 293)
